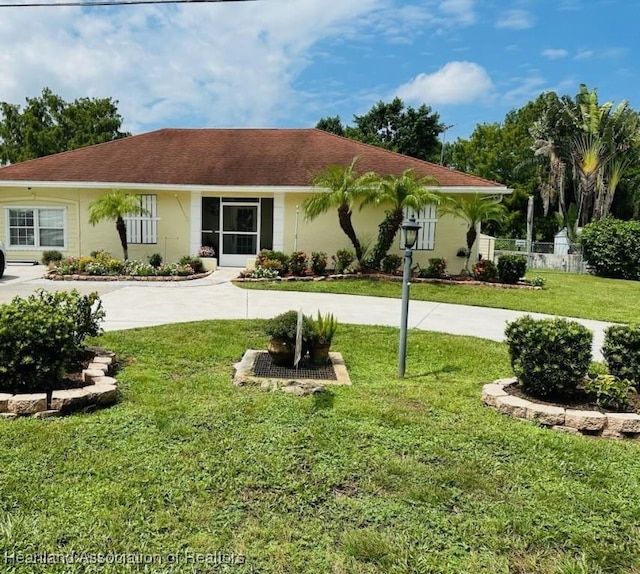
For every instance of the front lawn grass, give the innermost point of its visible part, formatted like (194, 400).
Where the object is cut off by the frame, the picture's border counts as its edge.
(567, 294)
(385, 476)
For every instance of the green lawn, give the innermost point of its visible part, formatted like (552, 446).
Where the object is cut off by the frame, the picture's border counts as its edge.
(386, 476)
(566, 294)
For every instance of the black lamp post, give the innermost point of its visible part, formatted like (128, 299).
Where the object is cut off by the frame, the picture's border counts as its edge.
(409, 234)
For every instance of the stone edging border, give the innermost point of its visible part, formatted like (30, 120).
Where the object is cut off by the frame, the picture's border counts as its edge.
(161, 278)
(394, 278)
(589, 423)
(101, 390)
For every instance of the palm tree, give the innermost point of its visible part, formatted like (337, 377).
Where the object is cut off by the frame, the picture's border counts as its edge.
(115, 205)
(475, 210)
(344, 188)
(405, 191)
(598, 143)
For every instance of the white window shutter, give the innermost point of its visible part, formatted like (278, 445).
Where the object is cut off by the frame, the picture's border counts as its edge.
(426, 218)
(143, 228)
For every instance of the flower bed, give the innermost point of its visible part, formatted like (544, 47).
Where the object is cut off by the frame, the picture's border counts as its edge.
(277, 266)
(575, 418)
(84, 277)
(386, 277)
(102, 267)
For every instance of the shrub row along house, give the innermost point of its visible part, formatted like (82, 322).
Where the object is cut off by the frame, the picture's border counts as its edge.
(237, 190)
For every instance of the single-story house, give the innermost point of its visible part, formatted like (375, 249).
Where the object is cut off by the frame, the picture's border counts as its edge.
(238, 190)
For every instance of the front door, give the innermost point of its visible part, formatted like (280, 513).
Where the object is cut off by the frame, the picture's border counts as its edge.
(239, 233)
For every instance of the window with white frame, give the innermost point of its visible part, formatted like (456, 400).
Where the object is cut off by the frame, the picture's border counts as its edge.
(426, 218)
(143, 228)
(36, 227)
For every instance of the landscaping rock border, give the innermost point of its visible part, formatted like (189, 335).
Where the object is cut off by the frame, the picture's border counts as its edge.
(101, 390)
(54, 277)
(588, 423)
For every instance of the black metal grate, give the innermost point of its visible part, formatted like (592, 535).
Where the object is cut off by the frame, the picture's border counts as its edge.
(264, 367)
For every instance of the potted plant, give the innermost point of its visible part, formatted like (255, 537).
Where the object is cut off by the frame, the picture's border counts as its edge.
(282, 330)
(208, 256)
(324, 328)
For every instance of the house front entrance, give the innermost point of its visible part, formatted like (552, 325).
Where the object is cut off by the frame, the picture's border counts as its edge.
(237, 228)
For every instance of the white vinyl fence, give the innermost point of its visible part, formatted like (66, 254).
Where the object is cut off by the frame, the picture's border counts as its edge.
(558, 256)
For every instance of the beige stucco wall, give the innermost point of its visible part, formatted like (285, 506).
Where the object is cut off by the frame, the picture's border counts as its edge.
(23, 197)
(174, 226)
(324, 233)
(83, 238)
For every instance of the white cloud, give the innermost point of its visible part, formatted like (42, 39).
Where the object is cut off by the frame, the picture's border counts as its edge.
(219, 64)
(555, 53)
(585, 54)
(460, 11)
(396, 23)
(569, 5)
(601, 53)
(526, 89)
(516, 20)
(454, 83)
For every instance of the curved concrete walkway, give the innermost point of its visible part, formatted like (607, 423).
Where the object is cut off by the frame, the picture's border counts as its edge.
(130, 304)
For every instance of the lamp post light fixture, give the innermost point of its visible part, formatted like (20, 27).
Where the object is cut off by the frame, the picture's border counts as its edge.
(410, 234)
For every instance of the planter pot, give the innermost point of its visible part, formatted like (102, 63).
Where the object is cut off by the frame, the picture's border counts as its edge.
(319, 353)
(282, 351)
(209, 263)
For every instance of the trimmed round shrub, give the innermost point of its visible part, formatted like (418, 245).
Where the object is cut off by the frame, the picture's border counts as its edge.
(611, 248)
(51, 256)
(621, 352)
(155, 260)
(318, 262)
(298, 263)
(550, 357)
(436, 268)
(511, 268)
(41, 336)
(484, 270)
(390, 264)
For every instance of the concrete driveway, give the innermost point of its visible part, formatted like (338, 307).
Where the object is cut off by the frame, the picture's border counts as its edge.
(20, 280)
(131, 304)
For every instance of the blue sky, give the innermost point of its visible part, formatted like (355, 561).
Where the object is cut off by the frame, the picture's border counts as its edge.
(287, 63)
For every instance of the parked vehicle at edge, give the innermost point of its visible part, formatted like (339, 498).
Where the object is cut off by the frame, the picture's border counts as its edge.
(3, 259)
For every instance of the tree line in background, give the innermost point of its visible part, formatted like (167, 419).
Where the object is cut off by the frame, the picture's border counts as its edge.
(47, 124)
(578, 158)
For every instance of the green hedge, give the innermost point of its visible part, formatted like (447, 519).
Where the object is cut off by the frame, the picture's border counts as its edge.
(621, 351)
(550, 357)
(611, 248)
(511, 268)
(41, 336)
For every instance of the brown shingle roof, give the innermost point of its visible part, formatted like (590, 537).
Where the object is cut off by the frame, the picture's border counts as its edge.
(236, 157)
